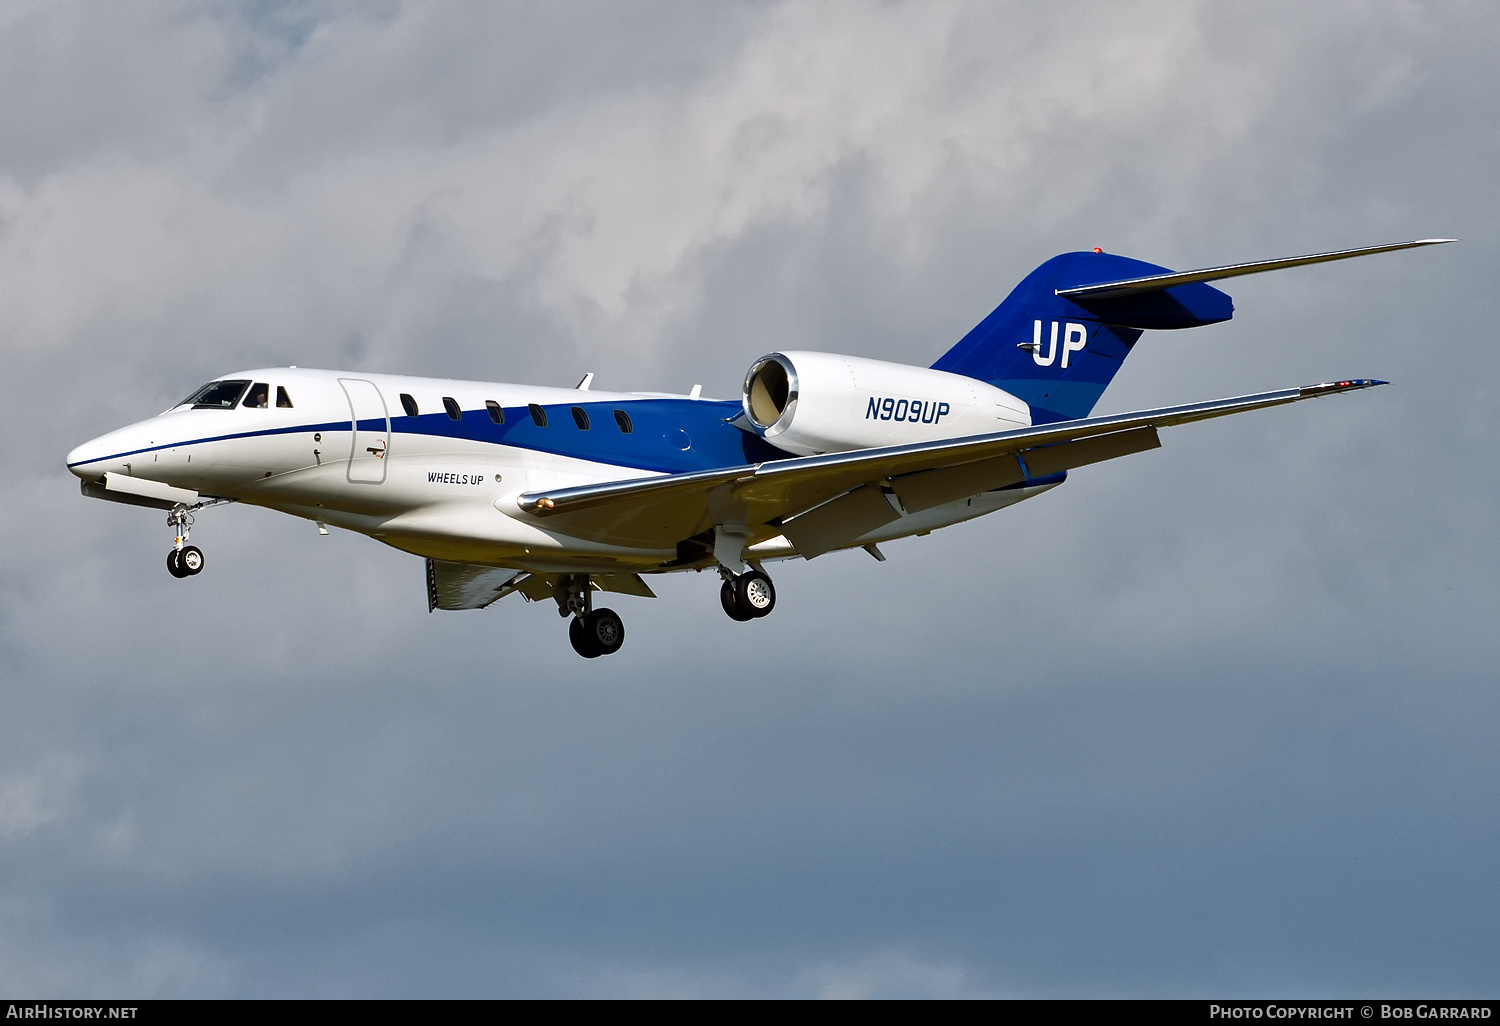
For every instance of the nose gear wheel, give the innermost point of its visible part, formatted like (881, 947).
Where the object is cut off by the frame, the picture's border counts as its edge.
(185, 563)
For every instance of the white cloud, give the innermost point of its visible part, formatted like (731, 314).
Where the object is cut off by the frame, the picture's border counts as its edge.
(892, 974)
(30, 799)
(601, 210)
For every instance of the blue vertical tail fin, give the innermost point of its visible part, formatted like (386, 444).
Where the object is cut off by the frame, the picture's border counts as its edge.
(1058, 353)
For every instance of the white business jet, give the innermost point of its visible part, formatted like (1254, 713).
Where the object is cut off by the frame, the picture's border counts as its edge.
(558, 493)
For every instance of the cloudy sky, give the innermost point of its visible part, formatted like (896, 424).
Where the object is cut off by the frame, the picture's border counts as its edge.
(1215, 720)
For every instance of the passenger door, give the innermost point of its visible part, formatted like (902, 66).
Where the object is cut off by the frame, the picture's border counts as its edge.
(370, 428)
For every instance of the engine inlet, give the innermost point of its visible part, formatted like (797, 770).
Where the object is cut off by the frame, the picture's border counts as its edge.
(769, 387)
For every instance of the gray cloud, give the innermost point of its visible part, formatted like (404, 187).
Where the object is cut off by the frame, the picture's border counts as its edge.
(1212, 720)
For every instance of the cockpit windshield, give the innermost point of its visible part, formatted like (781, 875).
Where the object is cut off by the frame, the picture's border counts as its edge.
(216, 395)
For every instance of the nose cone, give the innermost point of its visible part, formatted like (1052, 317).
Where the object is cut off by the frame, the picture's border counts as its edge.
(79, 459)
(82, 460)
(111, 452)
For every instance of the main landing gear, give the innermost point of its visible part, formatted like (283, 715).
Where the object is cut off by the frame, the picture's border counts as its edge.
(747, 596)
(593, 632)
(597, 633)
(183, 560)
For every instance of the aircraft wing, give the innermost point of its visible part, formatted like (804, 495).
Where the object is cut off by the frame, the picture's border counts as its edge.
(821, 503)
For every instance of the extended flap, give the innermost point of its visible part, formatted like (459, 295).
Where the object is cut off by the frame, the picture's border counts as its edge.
(465, 585)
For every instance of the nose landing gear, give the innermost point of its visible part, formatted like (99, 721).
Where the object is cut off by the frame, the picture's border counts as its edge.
(183, 560)
(593, 632)
(747, 596)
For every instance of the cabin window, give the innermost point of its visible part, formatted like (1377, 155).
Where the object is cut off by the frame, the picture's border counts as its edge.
(451, 405)
(497, 412)
(623, 419)
(409, 405)
(538, 415)
(217, 395)
(581, 418)
(283, 401)
(258, 398)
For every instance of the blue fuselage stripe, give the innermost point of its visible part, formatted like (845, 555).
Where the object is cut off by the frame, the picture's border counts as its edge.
(668, 435)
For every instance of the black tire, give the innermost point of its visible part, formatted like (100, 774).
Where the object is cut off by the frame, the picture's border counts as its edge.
(580, 639)
(173, 567)
(191, 561)
(754, 594)
(605, 631)
(729, 599)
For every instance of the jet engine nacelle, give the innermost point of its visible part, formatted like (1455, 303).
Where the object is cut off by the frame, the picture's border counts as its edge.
(812, 403)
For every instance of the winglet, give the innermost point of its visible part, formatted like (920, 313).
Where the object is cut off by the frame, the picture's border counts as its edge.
(1157, 282)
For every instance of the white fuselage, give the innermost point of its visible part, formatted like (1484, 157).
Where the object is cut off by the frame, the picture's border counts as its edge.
(347, 452)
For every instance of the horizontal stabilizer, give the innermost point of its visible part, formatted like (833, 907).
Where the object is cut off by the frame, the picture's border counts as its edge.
(1157, 282)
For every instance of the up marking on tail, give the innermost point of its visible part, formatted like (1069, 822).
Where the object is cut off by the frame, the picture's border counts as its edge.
(1075, 337)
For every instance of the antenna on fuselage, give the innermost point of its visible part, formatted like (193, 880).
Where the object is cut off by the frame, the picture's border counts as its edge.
(585, 382)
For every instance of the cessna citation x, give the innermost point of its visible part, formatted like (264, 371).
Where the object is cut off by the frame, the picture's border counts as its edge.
(557, 493)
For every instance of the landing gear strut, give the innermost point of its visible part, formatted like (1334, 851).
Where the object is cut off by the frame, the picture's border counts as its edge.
(747, 596)
(593, 632)
(183, 560)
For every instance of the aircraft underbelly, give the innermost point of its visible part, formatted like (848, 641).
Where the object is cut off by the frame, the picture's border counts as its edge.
(454, 500)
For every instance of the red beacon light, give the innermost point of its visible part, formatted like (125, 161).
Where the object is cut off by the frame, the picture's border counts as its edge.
(1098, 250)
